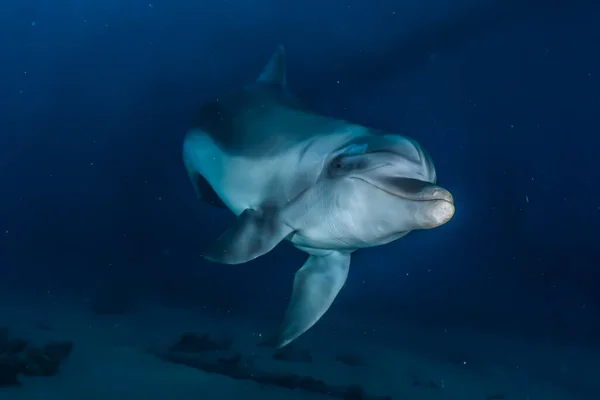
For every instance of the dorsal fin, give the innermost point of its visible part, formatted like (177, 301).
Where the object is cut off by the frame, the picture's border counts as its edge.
(274, 72)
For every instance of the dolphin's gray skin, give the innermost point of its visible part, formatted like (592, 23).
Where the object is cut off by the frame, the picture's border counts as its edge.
(328, 186)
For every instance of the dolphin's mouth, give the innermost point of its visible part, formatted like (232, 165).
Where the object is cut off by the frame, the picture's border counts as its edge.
(411, 189)
(434, 205)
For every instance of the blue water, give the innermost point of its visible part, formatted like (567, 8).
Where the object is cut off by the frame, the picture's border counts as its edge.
(96, 96)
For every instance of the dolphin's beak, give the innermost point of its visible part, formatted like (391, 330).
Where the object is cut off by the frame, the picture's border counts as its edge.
(433, 205)
(436, 211)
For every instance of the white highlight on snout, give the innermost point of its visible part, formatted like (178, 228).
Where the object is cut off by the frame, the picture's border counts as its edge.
(440, 213)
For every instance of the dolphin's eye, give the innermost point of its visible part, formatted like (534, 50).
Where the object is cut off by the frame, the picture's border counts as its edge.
(337, 166)
(344, 164)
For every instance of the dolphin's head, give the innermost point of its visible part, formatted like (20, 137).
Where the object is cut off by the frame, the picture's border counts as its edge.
(381, 188)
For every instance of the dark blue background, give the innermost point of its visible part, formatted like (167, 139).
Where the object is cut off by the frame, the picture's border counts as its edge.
(95, 98)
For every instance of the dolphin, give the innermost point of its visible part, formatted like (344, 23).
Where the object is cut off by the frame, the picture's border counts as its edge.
(328, 186)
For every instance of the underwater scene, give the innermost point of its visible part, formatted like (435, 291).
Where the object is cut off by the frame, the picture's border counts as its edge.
(300, 199)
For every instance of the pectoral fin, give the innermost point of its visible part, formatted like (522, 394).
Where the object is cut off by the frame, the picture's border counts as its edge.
(255, 233)
(316, 285)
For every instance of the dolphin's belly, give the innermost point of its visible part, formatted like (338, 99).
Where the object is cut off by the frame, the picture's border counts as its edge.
(331, 232)
(328, 218)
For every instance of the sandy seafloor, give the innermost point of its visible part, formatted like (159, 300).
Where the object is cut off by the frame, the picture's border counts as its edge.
(110, 361)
